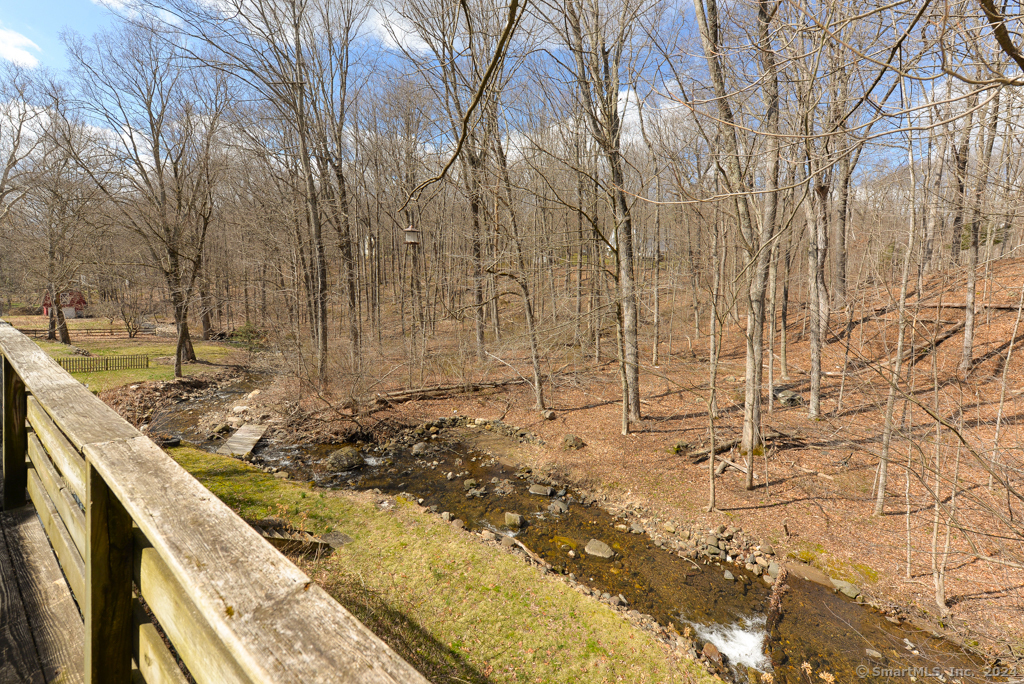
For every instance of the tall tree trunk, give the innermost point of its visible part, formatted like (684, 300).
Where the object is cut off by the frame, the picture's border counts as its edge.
(756, 261)
(967, 357)
(204, 299)
(626, 289)
(318, 293)
(520, 277)
(961, 158)
(343, 226)
(817, 314)
(716, 288)
(62, 326)
(896, 364)
(933, 218)
(477, 256)
(842, 208)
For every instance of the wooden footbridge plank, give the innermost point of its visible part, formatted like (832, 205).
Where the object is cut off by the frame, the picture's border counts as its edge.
(55, 643)
(18, 661)
(242, 442)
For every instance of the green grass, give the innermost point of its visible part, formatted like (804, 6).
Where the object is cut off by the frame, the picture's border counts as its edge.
(456, 609)
(161, 362)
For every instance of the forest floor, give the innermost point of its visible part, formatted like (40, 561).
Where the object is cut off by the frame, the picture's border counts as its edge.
(821, 473)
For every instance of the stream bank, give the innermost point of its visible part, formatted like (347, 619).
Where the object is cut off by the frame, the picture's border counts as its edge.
(714, 593)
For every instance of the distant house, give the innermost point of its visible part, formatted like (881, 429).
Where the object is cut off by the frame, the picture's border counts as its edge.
(71, 302)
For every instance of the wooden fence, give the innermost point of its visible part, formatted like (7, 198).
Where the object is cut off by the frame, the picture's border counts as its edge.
(118, 510)
(93, 364)
(87, 332)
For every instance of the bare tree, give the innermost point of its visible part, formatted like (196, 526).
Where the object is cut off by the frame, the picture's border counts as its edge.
(155, 158)
(56, 217)
(602, 58)
(755, 235)
(20, 114)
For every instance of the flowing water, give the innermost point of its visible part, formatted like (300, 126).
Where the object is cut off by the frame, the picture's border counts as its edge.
(820, 633)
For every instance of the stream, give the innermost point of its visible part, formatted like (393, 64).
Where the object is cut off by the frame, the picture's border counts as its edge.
(819, 635)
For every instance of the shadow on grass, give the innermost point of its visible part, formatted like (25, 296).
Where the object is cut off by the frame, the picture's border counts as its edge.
(434, 660)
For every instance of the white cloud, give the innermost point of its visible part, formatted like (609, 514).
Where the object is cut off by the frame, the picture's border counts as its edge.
(15, 47)
(389, 28)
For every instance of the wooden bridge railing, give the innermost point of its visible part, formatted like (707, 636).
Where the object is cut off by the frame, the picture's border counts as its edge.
(125, 521)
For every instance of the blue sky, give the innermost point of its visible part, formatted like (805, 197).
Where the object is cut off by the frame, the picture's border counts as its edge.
(30, 29)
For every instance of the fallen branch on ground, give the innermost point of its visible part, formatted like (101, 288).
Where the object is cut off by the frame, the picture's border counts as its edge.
(701, 454)
(437, 391)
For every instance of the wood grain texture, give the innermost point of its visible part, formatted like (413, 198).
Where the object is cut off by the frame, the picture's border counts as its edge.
(18, 661)
(276, 624)
(14, 440)
(52, 615)
(193, 637)
(70, 513)
(242, 442)
(272, 621)
(107, 606)
(57, 535)
(155, 663)
(68, 462)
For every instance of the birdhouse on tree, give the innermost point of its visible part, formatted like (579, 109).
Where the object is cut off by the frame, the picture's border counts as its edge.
(412, 235)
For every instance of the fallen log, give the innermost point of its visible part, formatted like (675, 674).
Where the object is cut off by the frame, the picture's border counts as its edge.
(977, 307)
(725, 464)
(435, 391)
(701, 454)
(815, 472)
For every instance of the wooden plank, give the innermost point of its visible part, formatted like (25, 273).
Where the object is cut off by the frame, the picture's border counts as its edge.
(274, 621)
(242, 442)
(107, 607)
(18, 661)
(57, 533)
(64, 456)
(15, 446)
(54, 618)
(156, 665)
(70, 514)
(293, 542)
(196, 642)
(82, 417)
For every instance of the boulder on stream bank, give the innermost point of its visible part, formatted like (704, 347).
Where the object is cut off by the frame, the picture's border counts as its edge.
(345, 458)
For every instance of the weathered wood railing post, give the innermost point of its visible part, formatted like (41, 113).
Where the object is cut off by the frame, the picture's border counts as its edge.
(115, 508)
(15, 439)
(108, 585)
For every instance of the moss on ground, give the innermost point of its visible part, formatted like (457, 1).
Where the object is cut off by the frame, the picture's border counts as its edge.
(458, 610)
(819, 557)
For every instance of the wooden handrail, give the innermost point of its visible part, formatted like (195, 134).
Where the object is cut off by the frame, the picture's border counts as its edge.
(233, 607)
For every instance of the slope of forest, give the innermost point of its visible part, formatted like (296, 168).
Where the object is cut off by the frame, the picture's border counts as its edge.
(822, 472)
(645, 218)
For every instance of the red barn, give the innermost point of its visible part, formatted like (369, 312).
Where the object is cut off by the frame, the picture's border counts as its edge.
(72, 302)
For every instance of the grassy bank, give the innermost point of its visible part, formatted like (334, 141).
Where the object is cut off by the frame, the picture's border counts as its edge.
(458, 610)
(161, 361)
